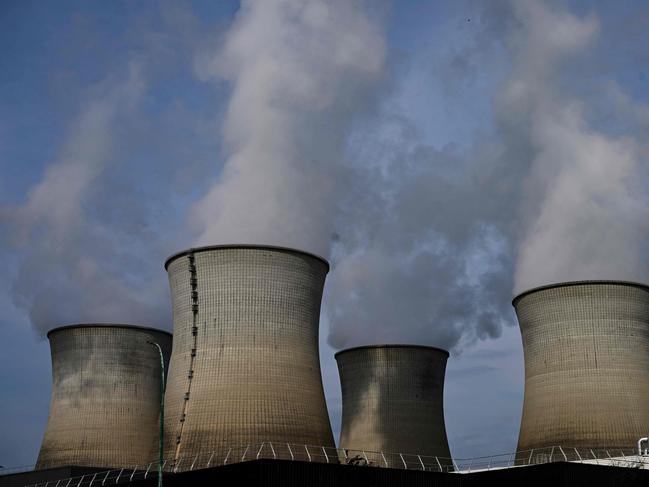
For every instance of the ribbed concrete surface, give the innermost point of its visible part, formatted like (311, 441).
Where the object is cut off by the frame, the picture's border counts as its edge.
(245, 366)
(586, 351)
(393, 399)
(105, 401)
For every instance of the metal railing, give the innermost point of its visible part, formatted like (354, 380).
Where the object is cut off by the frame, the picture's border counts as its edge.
(598, 456)
(361, 458)
(265, 450)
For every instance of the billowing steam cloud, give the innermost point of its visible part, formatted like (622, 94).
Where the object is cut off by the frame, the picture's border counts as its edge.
(587, 210)
(418, 264)
(300, 71)
(427, 243)
(430, 244)
(73, 253)
(431, 254)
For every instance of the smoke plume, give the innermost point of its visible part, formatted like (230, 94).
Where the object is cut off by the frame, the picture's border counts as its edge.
(435, 251)
(586, 212)
(75, 262)
(428, 242)
(300, 73)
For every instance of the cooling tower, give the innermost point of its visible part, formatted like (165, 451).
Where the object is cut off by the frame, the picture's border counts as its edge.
(586, 347)
(105, 402)
(393, 400)
(245, 366)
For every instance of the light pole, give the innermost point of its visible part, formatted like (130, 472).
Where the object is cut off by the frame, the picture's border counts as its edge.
(162, 413)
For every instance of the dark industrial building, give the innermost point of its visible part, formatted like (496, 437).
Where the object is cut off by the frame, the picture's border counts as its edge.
(282, 473)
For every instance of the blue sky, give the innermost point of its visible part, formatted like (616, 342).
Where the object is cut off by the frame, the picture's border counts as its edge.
(440, 145)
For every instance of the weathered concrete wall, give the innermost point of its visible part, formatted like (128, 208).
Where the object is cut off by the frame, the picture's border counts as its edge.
(105, 401)
(245, 366)
(586, 351)
(393, 399)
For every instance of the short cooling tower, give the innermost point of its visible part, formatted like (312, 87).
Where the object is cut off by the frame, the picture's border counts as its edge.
(393, 401)
(105, 402)
(586, 347)
(245, 367)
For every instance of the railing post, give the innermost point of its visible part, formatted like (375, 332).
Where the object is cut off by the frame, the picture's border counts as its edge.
(193, 463)
(80, 480)
(625, 460)
(307, 452)
(578, 455)
(405, 466)
(177, 466)
(273, 450)
(423, 467)
(103, 481)
(210, 460)
(57, 484)
(120, 474)
(132, 473)
(439, 464)
(227, 456)
(93, 479)
(70, 480)
(529, 460)
(384, 460)
(470, 463)
(259, 451)
(325, 454)
(367, 460)
(509, 460)
(551, 453)
(244, 452)
(563, 453)
(593, 453)
(290, 451)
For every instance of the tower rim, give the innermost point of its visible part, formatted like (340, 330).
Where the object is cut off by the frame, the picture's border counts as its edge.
(108, 325)
(280, 248)
(545, 287)
(395, 345)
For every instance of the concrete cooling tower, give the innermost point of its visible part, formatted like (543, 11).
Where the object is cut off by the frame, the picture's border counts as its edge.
(393, 400)
(105, 404)
(586, 347)
(245, 367)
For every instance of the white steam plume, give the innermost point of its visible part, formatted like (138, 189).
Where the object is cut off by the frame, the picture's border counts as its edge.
(300, 71)
(586, 212)
(73, 264)
(434, 252)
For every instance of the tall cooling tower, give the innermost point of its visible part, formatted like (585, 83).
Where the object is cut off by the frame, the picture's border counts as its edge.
(586, 347)
(245, 367)
(105, 402)
(393, 400)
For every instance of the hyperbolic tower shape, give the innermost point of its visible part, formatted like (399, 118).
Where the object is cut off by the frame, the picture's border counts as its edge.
(105, 401)
(393, 400)
(245, 367)
(586, 347)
